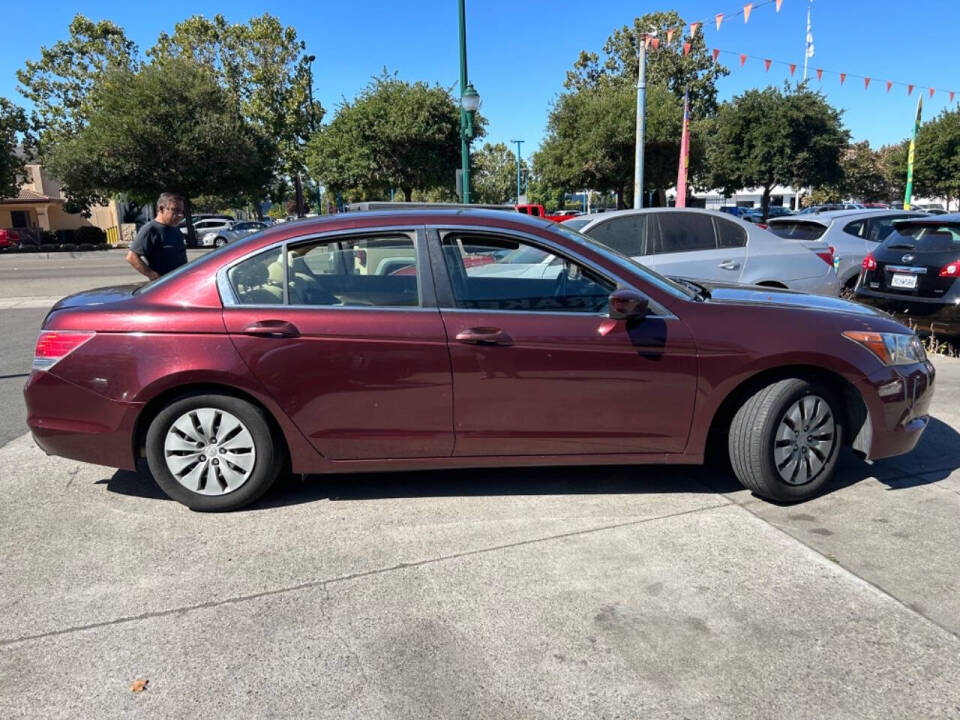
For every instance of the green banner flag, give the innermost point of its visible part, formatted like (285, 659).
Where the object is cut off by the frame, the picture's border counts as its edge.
(908, 195)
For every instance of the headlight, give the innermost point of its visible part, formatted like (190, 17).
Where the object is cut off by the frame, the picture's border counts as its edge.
(891, 348)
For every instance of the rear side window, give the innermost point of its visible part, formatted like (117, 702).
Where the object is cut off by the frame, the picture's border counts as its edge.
(729, 234)
(798, 230)
(681, 232)
(625, 234)
(857, 228)
(879, 229)
(259, 280)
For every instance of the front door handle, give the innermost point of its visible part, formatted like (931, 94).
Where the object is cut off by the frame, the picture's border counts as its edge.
(729, 265)
(484, 336)
(272, 328)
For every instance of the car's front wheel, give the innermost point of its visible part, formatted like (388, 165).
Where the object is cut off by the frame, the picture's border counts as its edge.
(219, 242)
(785, 439)
(212, 452)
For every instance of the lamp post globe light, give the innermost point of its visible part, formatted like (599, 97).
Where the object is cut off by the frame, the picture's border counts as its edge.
(469, 102)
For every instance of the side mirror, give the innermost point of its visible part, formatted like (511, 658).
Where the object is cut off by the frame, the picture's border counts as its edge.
(628, 304)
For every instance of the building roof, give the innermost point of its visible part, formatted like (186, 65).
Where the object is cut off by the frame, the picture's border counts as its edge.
(29, 196)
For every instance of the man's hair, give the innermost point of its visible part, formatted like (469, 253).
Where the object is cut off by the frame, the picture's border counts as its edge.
(166, 199)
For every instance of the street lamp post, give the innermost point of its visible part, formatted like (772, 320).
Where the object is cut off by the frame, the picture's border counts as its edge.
(469, 102)
(641, 118)
(518, 142)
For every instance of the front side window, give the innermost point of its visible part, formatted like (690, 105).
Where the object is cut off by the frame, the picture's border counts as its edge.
(675, 232)
(625, 234)
(501, 273)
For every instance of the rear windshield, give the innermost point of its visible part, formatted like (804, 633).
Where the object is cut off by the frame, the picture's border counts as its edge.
(578, 223)
(926, 238)
(797, 230)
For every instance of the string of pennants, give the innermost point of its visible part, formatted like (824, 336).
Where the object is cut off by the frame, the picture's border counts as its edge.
(652, 40)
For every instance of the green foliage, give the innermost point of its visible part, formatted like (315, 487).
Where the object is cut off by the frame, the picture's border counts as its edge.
(263, 68)
(667, 66)
(863, 176)
(591, 139)
(13, 125)
(893, 159)
(770, 137)
(393, 135)
(166, 127)
(937, 157)
(493, 177)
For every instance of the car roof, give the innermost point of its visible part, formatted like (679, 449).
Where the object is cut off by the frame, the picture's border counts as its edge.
(924, 219)
(827, 217)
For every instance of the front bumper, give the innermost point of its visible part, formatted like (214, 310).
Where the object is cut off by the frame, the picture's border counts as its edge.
(76, 423)
(940, 316)
(898, 401)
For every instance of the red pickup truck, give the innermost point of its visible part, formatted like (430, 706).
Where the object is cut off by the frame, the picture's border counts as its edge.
(538, 211)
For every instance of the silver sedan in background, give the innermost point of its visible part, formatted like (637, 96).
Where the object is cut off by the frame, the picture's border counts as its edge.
(232, 231)
(712, 246)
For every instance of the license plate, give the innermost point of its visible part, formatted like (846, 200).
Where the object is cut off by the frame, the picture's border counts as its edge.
(903, 280)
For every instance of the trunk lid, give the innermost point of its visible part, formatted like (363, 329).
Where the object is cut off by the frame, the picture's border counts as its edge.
(909, 262)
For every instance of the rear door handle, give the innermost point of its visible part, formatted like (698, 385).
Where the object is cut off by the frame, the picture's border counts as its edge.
(729, 265)
(272, 328)
(484, 336)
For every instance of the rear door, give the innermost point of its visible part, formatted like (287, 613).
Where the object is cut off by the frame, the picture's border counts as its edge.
(685, 244)
(343, 331)
(538, 366)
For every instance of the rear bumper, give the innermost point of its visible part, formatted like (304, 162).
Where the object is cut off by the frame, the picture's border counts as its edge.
(898, 400)
(75, 423)
(940, 316)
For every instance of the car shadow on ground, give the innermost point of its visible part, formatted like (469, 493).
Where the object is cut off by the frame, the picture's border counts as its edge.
(935, 458)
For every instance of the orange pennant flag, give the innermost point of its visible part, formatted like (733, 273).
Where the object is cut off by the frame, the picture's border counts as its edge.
(819, 74)
(767, 64)
(889, 85)
(779, 3)
(951, 96)
(656, 43)
(746, 12)
(793, 69)
(866, 83)
(719, 20)
(693, 28)
(669, 36)
(843, 76)
(931, 92)
(716, 54)
(743, 60)
(909, 89)
(686, 48)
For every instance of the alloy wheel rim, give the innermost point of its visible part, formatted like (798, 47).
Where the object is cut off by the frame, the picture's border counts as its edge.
(209, 451)
(804, 441)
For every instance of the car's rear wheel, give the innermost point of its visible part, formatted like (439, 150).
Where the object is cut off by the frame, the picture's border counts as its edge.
(785, 439)
(212, 452)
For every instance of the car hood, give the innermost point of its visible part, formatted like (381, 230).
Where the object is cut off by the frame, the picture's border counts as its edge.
(723, 294)
(98, 296)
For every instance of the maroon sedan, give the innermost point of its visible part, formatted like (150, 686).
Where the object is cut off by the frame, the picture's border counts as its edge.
(371, 341)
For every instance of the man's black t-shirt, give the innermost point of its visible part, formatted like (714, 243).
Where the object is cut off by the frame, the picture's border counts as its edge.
(162, 246)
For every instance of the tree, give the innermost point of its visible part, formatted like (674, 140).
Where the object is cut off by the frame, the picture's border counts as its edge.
(494, 174)
(13, 125)
(393, 135)
(767, 137)
(591, 139)
(937, 157)
(264, 68)
(667, 66)
(863, 177)
(893, 159)
(168, 127)
(58, 85)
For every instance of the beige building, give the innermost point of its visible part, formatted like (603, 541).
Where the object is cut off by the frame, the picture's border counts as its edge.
(39, 205)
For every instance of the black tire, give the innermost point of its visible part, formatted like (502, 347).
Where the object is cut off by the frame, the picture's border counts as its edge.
(266, 466)
(753, 434)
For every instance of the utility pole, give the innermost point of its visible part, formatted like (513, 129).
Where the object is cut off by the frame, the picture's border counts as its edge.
(641, 124)
(518, 142)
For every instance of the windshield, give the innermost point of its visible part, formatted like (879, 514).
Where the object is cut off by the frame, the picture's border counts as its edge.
(654, 278)
(797, 230)
(172, 274)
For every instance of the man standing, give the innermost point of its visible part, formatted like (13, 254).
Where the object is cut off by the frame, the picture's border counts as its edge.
(159, 246)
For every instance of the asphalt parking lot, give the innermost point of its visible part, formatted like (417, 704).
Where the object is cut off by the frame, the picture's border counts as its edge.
(584, 592)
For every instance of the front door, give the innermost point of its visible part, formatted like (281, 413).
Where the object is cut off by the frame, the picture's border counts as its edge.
(337, 330)
(539, 368)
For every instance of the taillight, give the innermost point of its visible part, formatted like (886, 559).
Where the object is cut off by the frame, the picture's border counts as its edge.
(54, 345)
(763, 225)
(826, 255)
(869, 262)
(950, 269)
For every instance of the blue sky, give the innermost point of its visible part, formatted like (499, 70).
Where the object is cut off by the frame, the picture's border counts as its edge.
(519, 52)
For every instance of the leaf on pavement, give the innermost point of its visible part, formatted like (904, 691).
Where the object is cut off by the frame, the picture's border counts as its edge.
(139, 685)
